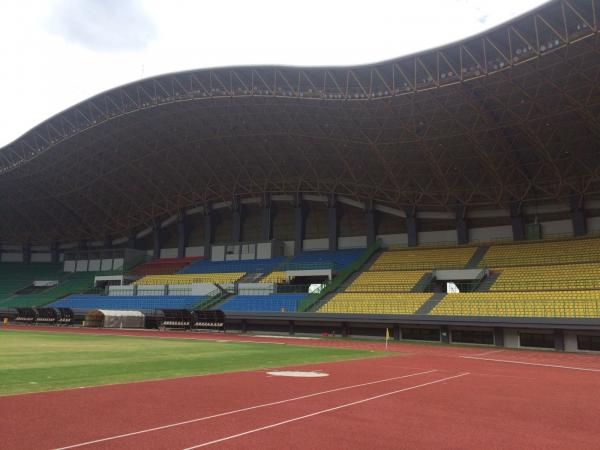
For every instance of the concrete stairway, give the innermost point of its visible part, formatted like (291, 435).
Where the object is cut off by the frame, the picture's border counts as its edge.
(487, 283)
(431, 303)
(423, 283)
(477, 257)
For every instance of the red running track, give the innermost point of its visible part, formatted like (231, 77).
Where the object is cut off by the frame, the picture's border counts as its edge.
(428, 396)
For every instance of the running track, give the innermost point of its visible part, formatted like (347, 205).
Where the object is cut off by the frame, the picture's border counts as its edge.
(420, 397)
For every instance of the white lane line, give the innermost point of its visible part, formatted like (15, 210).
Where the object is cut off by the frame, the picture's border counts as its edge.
(323, 411)
(249, 408)
(556, 366)
(491, 352)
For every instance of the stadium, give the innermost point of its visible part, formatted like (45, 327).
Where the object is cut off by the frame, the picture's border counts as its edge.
(416, 240)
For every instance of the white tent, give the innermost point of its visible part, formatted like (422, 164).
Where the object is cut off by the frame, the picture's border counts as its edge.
(108, 318)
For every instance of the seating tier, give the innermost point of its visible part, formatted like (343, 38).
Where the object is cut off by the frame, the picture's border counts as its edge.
(267, 303)
(557, 277)
(414, 259)
(521, 304)
(385, 281)
(375, 303)
(543, 253)
(219, 278)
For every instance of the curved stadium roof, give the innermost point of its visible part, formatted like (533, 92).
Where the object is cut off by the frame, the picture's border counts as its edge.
(507, 116)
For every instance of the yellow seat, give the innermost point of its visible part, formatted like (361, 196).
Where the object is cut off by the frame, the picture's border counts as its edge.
(219, 278)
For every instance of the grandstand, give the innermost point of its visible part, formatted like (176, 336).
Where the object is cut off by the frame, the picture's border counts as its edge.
(360, 197)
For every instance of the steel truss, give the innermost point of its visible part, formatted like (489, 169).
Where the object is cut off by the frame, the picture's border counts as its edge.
(509, 116)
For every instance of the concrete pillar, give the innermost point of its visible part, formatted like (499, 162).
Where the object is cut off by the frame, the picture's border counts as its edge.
(156, 239)
(577, 215)
(345, 329)
(462, 231)
(371, 217)
(236, 220)
(182, 233)
(559, 340)
(571, 344)
(411, 226)
(209, 231)
(266, 228)
(445, 334)
(292, 328)
(518, 225)
(27, 252)
(299, 218)
(511, 338)
(332, 223)
(396, 333)
(498, 337)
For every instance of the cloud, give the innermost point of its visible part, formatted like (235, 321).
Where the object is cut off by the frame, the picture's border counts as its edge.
(102, 25)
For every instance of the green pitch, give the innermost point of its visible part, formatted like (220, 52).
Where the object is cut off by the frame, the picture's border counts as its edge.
(42, 361)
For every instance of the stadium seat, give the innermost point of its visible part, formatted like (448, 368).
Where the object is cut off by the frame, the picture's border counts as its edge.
(548, 277)
(273, 303)
(385, 281)
(521, 304)
(218, 278)
(430, 258)
(569, 251)
(375, 303)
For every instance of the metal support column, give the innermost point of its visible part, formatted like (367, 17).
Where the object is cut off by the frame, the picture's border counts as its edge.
(462, 231)
(516, 219)
(182, 233)
(577, 215)
(411, 226)
(156, 239)
(236, 220)
(332, 223)
(299, 218)
(208, 231)
(266, 229)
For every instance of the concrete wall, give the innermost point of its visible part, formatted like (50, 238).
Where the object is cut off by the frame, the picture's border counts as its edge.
(511, 338)
(315, 244)
(168, 253)
(429, 237)
(393, 239)
(194, 251)
(490, 233)
(557, 227)
(352, 242)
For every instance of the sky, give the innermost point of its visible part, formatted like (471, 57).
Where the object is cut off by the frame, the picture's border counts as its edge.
(56, 53)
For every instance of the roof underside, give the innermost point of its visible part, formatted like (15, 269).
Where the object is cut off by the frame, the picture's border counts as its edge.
(510, 116)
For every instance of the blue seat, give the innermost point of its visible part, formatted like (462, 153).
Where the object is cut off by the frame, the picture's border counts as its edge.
(123, 302)
(266, 303)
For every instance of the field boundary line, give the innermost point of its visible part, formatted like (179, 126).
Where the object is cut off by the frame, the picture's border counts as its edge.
(324, 411)
(511, 361)
(249, 408)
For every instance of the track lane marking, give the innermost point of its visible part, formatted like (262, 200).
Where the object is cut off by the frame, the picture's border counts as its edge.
(486, 353)
(249, 408)
(324, 411)
(556, 366)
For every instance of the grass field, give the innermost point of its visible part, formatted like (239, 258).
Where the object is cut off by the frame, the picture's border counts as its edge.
(38, 361)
